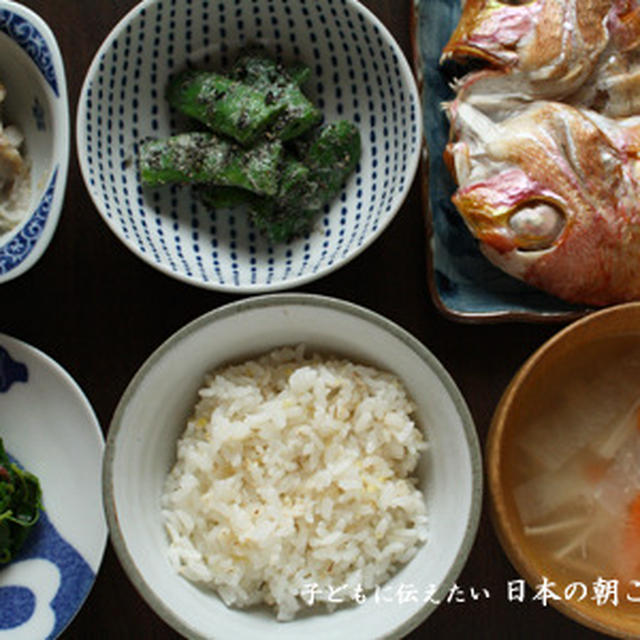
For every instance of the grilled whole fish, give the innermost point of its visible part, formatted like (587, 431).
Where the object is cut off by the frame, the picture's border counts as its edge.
(553, 196)
(545, 142)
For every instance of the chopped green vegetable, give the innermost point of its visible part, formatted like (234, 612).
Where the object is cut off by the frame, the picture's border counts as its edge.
(299, 73)
(306, 186)
(203, 157)
(288, 167)
(225, 105)
(281, 88)
(224, 197)
(286, 215)
(20, 505)
(332, 157)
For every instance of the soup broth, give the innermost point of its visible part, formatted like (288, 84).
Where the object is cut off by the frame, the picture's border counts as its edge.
(574, 470)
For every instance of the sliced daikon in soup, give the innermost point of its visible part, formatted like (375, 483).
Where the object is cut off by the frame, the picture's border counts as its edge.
(575, 464)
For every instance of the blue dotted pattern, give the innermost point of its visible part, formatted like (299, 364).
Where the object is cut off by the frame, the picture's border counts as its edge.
(357, 74)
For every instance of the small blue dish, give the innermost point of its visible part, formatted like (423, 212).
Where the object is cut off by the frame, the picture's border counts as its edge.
(48, 427)
(464, 284)
(32, 71)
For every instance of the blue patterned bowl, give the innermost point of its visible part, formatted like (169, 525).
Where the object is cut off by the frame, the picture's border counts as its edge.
(32, 72)
(48, 427)
(358, 73)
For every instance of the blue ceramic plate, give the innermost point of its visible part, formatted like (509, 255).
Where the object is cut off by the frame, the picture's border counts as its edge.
(48, 427)
(464, 284)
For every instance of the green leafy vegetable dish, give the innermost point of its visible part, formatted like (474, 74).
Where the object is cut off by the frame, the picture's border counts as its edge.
(259, 141)
(20, 505)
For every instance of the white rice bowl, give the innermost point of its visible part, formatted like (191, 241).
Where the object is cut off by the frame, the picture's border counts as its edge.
(292, 484)
(157, 405)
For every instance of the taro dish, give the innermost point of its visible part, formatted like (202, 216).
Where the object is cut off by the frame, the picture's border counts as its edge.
(15, 174)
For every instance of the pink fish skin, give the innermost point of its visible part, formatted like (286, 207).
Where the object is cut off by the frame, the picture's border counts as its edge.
(492, 32)
(556, 44)
(552, 193)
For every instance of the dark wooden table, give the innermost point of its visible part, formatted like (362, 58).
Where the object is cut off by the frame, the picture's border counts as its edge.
(100, 311)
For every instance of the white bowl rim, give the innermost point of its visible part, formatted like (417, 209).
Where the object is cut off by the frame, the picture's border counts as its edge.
(411, 171)
(61, 143)
(313, 300)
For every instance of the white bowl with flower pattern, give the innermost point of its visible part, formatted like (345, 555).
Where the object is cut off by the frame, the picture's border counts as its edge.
(153, 412)
(358, 73)
(32, 71)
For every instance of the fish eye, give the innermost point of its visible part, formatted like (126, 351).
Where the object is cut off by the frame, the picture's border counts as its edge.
(536, 225)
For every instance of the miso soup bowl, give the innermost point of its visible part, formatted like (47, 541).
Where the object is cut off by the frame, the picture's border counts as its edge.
(358, 73)
(524, 393)
(152, 414)
(32, 71)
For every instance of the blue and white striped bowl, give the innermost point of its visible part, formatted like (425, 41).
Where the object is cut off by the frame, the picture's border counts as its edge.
(32, 71)
(358, 73)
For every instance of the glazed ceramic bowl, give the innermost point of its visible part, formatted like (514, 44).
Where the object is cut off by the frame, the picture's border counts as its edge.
(358, 73)
(543, 411)
(152, 415)
(32, 71)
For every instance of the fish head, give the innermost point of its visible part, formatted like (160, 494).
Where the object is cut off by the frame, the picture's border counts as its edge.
(509, 212)
(551, 200)
(505, 206)
(557, 43)
(491, 31)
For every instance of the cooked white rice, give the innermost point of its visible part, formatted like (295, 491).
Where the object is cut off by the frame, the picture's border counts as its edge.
(294, 472)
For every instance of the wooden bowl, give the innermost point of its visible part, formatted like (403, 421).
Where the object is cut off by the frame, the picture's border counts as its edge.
(528, 391)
